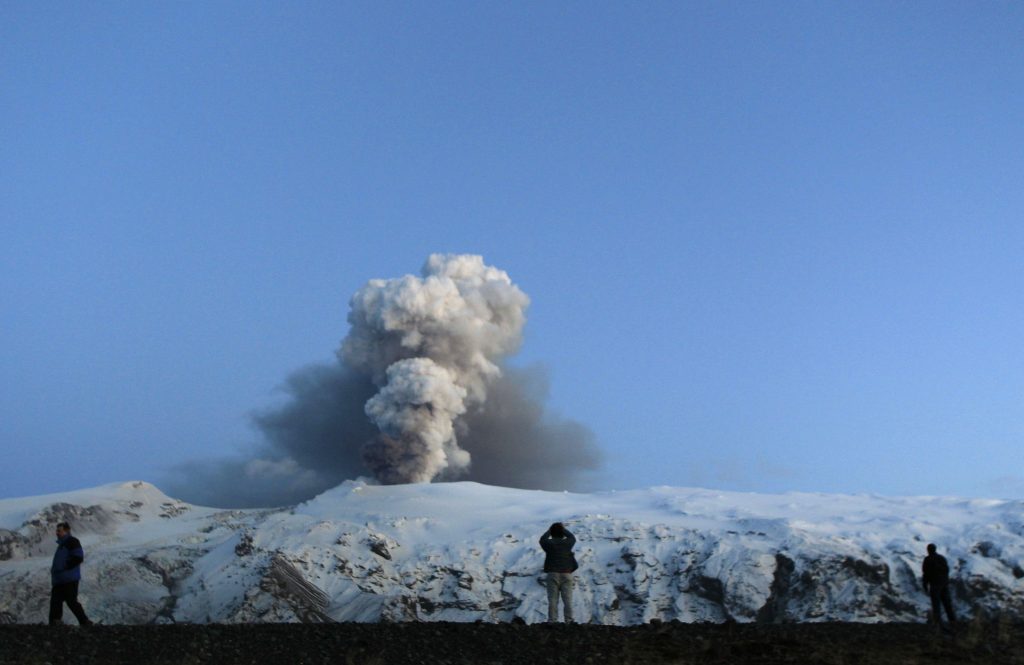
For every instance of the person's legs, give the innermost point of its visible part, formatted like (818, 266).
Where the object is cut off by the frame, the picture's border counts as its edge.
(947, 603)
(56, 604)
(566, 592)
(71, 598)
(936, 595)
(552, 584)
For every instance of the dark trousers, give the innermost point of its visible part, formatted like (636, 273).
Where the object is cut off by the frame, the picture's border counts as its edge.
(66, 593)
(940, 594)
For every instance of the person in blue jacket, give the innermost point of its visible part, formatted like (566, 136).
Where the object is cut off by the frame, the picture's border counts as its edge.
(559, 564)
(65, 574)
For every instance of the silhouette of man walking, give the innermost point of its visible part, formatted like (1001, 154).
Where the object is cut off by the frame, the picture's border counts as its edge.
(65, 574)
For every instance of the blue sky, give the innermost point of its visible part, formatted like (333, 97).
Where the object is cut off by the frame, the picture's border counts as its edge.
(769, 246)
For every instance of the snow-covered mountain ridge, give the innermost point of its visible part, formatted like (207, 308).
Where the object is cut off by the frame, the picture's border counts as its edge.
(466, 552)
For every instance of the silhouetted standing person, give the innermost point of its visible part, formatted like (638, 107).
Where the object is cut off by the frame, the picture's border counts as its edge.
(559, 564)
(65, 574)
(935, 578)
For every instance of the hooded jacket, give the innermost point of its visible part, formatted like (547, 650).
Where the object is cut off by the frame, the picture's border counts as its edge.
(66, 561)
(559, 558)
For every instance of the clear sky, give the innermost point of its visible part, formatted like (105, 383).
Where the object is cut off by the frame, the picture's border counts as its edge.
(769, 246)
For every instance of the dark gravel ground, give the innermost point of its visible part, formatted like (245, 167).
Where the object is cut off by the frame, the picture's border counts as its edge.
(979, 642)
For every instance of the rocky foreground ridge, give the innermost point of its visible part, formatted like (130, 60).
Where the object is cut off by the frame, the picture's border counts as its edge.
(445, 643)
(466, 552)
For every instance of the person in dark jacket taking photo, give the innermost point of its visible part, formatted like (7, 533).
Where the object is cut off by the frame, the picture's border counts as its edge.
(65, 573)
(559, 564)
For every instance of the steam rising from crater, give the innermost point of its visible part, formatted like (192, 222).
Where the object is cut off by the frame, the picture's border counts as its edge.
(419, 393)
(431, 345)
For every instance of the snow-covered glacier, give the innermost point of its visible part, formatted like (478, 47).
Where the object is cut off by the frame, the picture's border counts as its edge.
(468, 552)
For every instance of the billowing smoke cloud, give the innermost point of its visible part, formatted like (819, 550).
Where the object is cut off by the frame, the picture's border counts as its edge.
(416, 412)
(419, 393)
(431, 344)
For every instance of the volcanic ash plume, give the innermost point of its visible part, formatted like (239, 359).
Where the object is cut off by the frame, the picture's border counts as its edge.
(417, 392)
(415, 412)
(431, 345)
